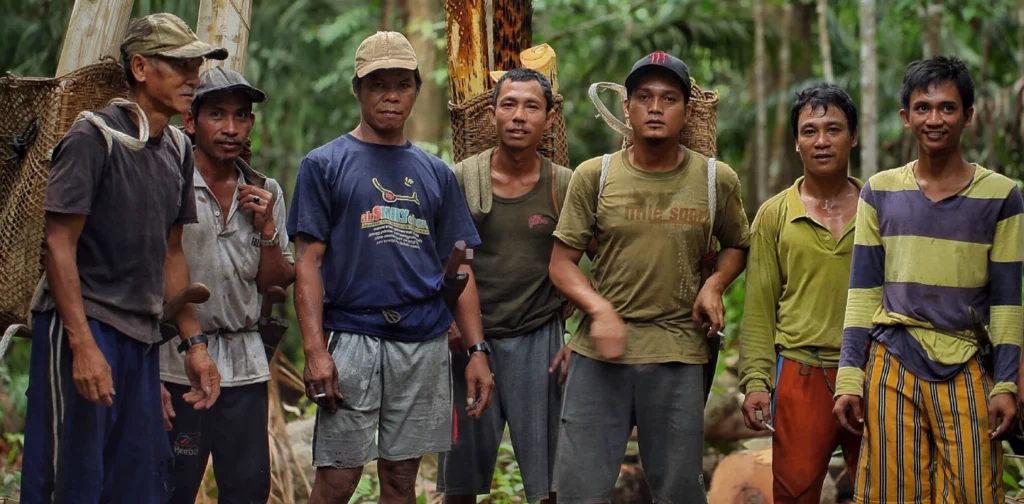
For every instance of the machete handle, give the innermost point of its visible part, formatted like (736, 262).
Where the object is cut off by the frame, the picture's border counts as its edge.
(194, 293)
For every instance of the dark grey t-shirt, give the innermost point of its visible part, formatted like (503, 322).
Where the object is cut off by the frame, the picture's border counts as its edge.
(131, 199)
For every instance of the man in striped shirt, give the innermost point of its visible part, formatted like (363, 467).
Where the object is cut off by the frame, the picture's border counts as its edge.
(934, 238)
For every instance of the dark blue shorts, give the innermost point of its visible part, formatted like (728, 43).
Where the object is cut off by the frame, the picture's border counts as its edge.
(77, 451)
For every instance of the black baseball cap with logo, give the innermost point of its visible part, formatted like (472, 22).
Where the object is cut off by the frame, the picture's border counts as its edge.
(659, 60)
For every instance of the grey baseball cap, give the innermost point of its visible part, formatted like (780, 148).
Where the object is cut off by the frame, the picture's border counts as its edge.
(220, 78)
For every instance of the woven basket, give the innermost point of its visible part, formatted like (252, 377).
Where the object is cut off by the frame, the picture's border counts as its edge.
(472, 131)
(701, 129)
(37, 113)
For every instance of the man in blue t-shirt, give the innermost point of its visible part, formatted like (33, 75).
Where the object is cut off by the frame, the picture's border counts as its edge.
(373, 219)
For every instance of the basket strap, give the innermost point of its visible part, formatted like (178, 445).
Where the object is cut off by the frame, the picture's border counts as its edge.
(712, 198)
(602, 110)
(131, 143)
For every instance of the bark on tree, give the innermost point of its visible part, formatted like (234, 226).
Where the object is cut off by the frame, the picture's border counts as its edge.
(780, 133)
(825, 41)
(225, 23)
(761, 140)
(467, 48)
(513, 32)
(95, 30)
(428, 114)
(1020, 36)
(933, 28)
(868, 137)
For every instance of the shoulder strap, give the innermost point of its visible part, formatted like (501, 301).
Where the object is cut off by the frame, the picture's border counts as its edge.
(712, 197)
(179, 142)
(605, 161)
(560, 177)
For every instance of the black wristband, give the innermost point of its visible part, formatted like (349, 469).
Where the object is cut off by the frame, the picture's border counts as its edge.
(194, 340)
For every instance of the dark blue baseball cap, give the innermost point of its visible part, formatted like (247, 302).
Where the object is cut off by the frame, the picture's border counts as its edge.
(659, 59)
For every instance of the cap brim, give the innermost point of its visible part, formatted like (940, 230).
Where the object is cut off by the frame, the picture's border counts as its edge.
(256, 95)
(638, 72)
(385, 64)
(197, 49)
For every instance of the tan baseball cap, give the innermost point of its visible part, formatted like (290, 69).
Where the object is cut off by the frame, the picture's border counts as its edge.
(164, 34)
(385, 49)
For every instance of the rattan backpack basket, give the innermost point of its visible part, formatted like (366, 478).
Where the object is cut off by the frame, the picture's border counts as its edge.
(472, 131)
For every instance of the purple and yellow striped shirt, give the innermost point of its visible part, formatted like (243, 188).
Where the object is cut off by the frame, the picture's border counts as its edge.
(917, 266)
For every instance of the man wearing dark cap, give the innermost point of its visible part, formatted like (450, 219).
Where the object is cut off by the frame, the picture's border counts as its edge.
(374, 219)
(116, 202)
(638, 355)
(239, 251)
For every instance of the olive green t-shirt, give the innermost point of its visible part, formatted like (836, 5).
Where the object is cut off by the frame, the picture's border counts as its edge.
(652, 230)
(511, 264)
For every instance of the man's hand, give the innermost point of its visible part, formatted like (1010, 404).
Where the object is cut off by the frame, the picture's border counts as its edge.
(849, 405)
(479, 384)
(166, 406)
(561, 358)
(608, 334)
(91, 373)
(455, 343)
(754, 402)
(1002, 409)
(708, 311)
(202, 376)
(321, 377)
(261, 202)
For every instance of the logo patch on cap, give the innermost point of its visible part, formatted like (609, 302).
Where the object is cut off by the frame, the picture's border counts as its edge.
(658, 57)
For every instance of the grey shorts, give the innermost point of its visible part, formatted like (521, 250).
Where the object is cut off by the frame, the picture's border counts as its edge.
(399, 391)
(603, 402)
(527, 398)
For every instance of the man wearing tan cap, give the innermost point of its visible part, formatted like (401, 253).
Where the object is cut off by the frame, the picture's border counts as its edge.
(116, 202)
(374, 218)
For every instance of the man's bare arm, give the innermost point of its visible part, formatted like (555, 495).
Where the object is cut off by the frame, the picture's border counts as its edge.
(176, 277)
(565, 274)
(61, 232)
(467, 311)
(730, 263)
(274, 270)
(309, 291)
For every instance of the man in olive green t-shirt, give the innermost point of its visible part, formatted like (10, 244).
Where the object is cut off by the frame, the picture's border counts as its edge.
(515, 197)
(797, 278)
(638, 355)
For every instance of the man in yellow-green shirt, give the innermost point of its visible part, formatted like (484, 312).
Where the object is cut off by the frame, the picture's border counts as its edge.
(638, 355)
(799, 267)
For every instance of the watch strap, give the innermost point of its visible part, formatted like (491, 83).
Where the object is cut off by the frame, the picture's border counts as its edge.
(193, 341)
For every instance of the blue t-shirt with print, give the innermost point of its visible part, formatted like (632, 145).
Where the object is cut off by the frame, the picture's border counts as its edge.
(389, 216)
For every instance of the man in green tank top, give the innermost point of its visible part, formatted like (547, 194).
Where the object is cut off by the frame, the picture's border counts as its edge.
(515, 197)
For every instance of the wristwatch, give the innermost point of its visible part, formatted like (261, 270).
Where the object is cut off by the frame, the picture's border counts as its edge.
(194, 340)
(479, 347)
(258, 241)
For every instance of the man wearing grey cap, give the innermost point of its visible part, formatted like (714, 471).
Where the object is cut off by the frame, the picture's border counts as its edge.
(239, 250)
(116, 204)
(374, 218)
(637, 358)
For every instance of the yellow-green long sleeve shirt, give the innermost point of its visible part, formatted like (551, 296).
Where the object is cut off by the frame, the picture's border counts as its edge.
(919, 264)
(797, 277)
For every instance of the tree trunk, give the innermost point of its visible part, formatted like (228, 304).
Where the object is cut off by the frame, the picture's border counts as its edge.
(780, 133)
(513, 32)
(225, 24)
(868, 137)
(801, 68)
(427, 119)
(933, 28)
(1020, 37)
(760, 129)
(95, 30)
(468, 56)
(825, 41)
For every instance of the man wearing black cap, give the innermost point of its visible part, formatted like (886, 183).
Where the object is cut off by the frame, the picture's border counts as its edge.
(638, 355)
(116, 204)
(239, 249)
